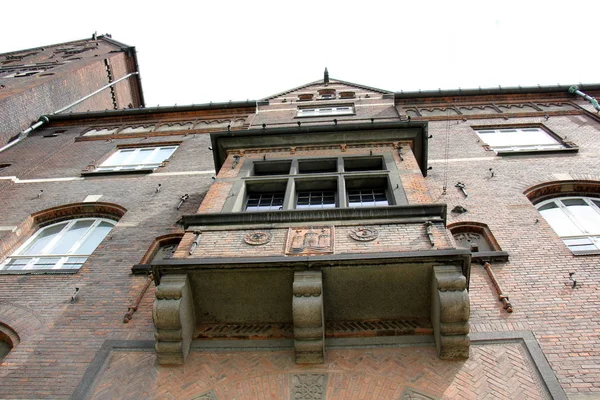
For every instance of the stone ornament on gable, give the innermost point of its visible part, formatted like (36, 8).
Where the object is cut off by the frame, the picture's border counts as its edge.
(364, 234)
(257, 238)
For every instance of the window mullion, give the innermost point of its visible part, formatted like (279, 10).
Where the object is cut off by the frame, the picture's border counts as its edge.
(83, 237)
(148, 158)
(572, 217)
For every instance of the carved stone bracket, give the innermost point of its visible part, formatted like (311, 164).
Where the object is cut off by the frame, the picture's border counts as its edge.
(308, 317)
(450, 309)
(174, 318)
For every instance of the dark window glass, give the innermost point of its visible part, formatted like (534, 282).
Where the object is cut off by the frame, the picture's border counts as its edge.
(317, 166)
(272, 168)
(363, 164)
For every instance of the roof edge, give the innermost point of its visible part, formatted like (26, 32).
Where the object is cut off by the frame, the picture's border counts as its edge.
(493, 91)
(150, 110)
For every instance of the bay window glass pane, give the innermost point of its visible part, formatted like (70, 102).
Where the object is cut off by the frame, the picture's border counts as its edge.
(316, 200)
(43, 238)
(264, 202)
(367, 198)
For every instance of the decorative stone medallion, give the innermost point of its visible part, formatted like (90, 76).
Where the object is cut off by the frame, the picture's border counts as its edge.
(309, 386)
(310, 240)
(257, 238)
(364, 234)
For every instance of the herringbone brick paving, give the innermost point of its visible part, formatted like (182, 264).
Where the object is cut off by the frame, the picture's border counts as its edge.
(499, 371)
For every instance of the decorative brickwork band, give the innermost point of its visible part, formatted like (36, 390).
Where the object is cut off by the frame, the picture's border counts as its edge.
(308, 316)
(450, 310)
(174, 319)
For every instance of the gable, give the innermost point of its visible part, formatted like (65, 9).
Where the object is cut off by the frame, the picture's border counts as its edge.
(318, 88)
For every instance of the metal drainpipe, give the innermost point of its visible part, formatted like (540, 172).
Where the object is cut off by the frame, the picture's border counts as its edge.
(575, 90)
(44, 119)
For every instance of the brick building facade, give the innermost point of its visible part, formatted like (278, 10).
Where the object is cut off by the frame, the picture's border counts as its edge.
(331, 241)
(44, 80)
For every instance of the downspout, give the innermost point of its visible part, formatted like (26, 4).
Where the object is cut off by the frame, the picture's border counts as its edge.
(44, 119)
(575, 90)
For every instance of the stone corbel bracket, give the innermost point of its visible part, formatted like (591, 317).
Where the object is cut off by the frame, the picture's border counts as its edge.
(174, 318)
(308, 317)
(450, 309)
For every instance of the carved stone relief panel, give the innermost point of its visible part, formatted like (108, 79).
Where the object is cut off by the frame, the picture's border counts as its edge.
(472, 241)
(310, 240)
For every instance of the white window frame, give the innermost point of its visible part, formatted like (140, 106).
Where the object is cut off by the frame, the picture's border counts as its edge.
(128, 165)
(499, 139)
(44, 252)
(324, 111)
(585, 242)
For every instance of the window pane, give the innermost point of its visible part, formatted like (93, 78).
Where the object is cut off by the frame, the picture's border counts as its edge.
(586, 216)
(525, 138)
(46, 263)
(574, 202)
(94, 239)
(69, 238)
(367, 198)
(129, 159)
(142, 156)
(74, 262)
(119, 157)
(580, 244)
(43, 238)
(17, 263)
(561, 224)
(548, 206)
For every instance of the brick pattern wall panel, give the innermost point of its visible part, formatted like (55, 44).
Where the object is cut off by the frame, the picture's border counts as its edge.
(493, 371)
(536, 277)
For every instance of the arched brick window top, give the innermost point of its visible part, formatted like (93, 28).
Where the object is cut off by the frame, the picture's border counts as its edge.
(163, 248)
(60, 239)
(478, 238)
(549, 190)
(576, 219)
(78, 210)
(572, 209)
(8, 340)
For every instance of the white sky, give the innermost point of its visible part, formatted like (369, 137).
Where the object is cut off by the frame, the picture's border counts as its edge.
(201, 51)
